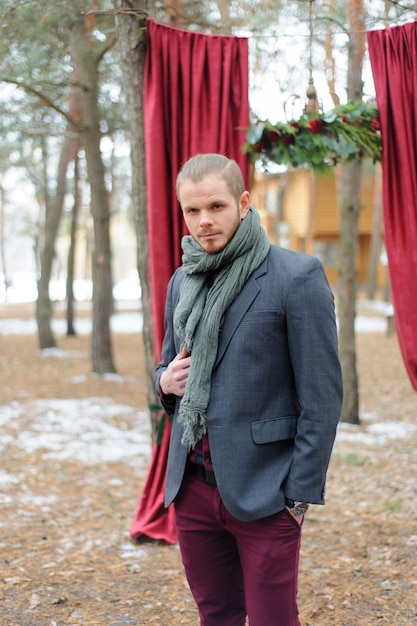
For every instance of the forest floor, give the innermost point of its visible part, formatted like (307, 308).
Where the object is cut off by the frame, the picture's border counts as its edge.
(74, 452)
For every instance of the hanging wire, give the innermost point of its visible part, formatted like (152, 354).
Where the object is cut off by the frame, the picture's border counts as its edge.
(312, 105)
(310, 25)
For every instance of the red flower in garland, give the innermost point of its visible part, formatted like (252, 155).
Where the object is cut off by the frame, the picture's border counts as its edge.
(315, 126)
(259, 147)
(288, 140)
(375, 124)
(274, 135)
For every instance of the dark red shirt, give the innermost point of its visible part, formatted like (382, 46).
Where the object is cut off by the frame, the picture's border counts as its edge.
(201, 453)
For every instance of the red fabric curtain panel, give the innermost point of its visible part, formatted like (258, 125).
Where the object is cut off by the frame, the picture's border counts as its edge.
(196, 101)
(393, 55)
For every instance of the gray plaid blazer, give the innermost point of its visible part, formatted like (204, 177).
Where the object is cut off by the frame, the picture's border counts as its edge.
(276, 389)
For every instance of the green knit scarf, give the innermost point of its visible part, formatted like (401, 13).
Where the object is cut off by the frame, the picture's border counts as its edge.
(202, 305)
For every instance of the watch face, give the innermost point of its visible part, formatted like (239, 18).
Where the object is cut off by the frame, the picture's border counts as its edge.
(300, 508)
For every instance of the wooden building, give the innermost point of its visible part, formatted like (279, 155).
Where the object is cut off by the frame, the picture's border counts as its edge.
(299, 211)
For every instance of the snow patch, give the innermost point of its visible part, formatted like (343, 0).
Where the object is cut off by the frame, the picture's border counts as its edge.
(79, 429)
(376, 433)
(127, 322)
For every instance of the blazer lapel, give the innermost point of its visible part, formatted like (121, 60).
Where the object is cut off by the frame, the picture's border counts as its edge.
(238, 308)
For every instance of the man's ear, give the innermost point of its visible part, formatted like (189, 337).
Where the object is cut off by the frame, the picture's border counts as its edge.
(244, 204)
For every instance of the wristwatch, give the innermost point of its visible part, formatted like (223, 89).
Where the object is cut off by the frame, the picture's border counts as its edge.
(297, 508)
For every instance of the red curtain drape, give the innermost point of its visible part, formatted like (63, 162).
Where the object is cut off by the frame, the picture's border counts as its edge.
(196, 101)
(393, 55)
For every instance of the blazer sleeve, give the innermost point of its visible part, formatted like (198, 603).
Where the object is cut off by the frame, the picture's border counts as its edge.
(313, 346)
(170, 343)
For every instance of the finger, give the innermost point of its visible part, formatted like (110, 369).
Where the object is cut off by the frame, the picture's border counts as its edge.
(184, 352)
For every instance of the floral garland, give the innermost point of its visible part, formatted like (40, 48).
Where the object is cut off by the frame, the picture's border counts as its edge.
(319, 141)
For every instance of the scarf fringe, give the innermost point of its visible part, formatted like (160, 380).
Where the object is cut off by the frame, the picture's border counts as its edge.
(194, 425)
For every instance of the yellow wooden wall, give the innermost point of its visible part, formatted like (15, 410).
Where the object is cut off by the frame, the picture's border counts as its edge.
(308, 204)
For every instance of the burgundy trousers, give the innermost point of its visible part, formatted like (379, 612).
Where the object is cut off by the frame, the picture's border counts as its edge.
(237, 569)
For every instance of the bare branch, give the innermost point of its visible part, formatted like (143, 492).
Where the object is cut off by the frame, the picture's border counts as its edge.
(43, 99)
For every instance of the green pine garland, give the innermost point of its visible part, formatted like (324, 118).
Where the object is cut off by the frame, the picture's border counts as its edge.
(319, 141)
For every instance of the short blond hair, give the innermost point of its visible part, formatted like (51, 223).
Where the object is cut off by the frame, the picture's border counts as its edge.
(200, 166)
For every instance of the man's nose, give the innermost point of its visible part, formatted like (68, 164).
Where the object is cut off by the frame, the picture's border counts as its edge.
(205, 218)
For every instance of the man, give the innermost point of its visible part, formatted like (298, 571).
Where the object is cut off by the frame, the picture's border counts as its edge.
(250, 372)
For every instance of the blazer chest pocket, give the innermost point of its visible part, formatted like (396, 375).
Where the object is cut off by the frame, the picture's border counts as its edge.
(278, 429)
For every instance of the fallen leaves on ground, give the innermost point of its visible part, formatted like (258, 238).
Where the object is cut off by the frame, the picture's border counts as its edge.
(66, 558)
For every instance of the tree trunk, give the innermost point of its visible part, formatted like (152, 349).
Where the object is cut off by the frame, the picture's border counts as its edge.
(377, 223)
(131, 30)
(329, 60)
(86, 62)
(6, 283)
(53, 213)
(71, 253)
(349, 207)
(349, 183)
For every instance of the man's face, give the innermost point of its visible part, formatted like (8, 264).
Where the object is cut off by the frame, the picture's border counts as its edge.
(211, 212)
